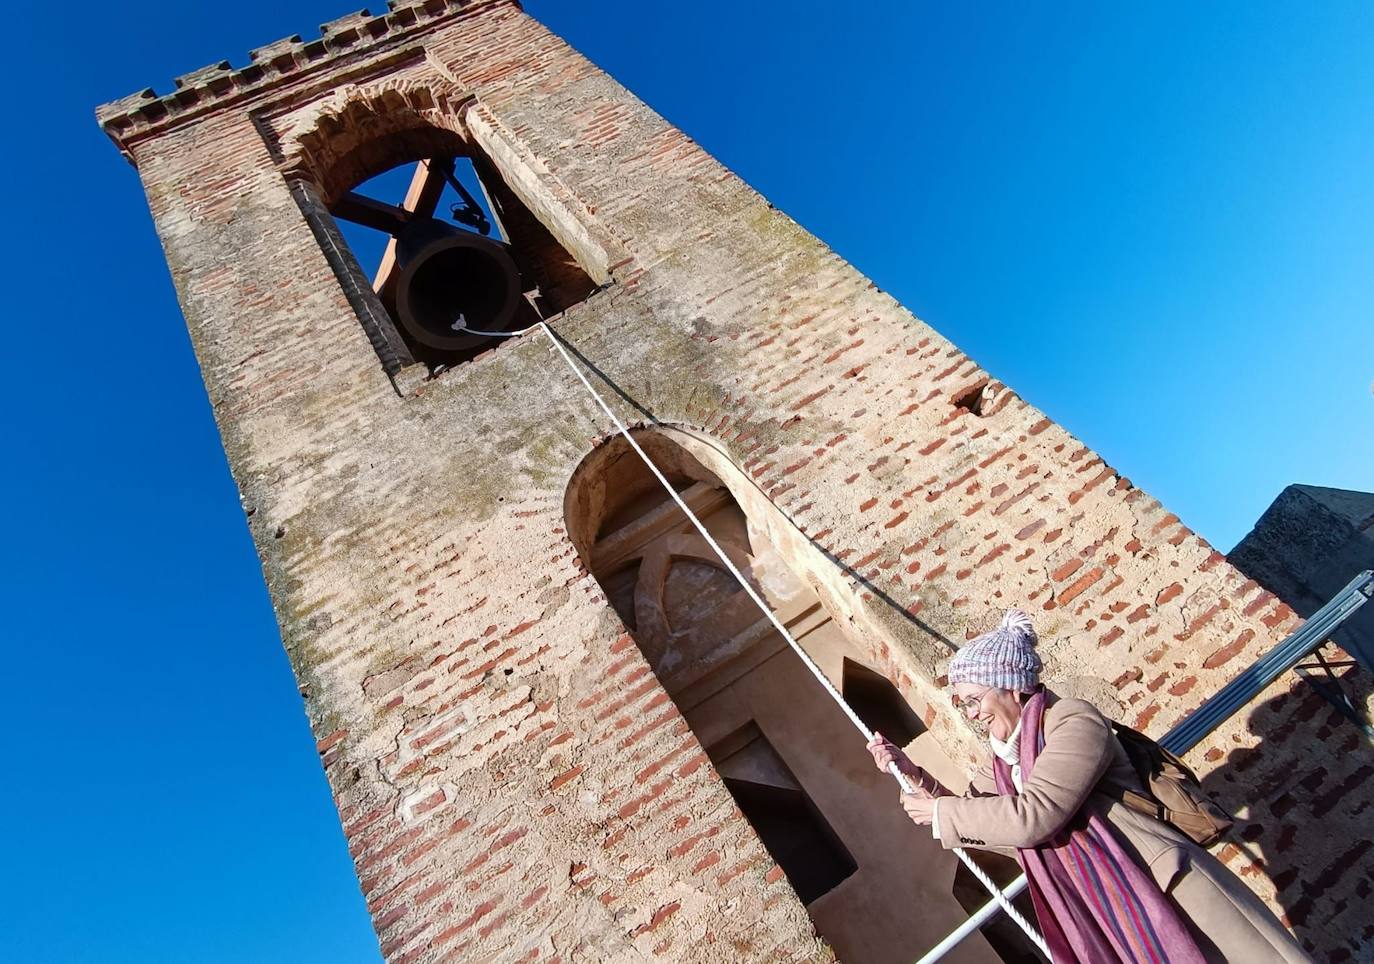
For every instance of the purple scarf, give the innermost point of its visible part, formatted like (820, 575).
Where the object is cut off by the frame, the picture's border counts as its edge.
(1094, 904)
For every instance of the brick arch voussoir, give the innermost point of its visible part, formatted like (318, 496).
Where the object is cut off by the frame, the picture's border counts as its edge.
(359, 132)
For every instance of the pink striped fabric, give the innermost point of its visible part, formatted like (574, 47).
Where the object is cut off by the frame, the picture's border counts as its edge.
(1094, 904)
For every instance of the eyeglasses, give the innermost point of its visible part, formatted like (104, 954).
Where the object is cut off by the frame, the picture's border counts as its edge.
(965, 703)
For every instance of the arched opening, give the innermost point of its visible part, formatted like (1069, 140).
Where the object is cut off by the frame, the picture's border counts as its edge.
(430, 240)
(877, 888)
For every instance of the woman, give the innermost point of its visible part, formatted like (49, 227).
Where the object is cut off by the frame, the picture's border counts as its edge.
(1109, 884)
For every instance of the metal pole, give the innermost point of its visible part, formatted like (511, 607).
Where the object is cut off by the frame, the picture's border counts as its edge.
(979, 917)
(1232, 697)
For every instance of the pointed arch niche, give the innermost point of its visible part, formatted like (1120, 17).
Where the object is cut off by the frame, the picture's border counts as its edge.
(877, 888)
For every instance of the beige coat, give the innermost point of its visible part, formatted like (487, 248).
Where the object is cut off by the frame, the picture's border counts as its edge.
(1228, 921)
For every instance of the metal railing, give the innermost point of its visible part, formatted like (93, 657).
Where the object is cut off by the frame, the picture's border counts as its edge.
(1232, 697)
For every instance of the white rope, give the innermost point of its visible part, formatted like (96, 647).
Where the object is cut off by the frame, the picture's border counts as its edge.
(1000, 898)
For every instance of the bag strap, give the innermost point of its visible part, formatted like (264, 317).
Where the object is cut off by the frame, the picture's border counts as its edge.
(1146, 803)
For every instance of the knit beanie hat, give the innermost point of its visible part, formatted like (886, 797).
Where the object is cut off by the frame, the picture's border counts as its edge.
(1003, 658)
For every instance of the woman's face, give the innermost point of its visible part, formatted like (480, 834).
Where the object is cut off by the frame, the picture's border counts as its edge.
(998, 710)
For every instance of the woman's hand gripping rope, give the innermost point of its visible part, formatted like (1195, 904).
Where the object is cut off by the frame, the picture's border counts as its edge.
(919, 804)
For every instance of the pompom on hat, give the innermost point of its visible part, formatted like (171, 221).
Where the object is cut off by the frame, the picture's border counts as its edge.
(1003, 658)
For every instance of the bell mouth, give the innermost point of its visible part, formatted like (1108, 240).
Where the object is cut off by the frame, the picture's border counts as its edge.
(457, 282)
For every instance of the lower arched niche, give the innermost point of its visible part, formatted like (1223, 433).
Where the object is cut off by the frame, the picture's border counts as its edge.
(878, 888)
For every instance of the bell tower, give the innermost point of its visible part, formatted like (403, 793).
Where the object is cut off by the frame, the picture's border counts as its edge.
(553, 729)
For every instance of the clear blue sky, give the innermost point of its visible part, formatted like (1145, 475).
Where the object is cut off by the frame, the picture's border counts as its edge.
(1154, 221)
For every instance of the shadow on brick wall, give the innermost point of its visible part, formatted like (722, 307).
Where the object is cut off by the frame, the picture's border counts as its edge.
(1304, 800)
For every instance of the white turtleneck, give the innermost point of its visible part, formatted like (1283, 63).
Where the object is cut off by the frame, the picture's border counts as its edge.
(1009, 752)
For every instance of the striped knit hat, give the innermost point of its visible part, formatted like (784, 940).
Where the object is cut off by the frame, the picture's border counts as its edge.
(1003, 658)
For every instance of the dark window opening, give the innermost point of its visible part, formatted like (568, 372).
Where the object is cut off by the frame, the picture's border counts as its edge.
(620, 593)
(971, 399)
(793, 831)
(453, 253)
(880, 704)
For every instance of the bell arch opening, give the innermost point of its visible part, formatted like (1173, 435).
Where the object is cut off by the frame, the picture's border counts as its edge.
(430, 240)
(877, 888)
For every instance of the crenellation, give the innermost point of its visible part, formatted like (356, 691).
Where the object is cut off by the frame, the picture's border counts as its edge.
(278, 50)
(207, 76)
(343, 30)
(116, 111)
(139, 115)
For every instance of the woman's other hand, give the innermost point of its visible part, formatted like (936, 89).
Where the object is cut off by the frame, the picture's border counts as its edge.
(920, 808)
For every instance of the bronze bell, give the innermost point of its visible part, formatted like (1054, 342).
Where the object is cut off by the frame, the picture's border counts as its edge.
(451, 280)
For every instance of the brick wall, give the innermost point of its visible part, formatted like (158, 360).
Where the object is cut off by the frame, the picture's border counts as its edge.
(509, 774)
